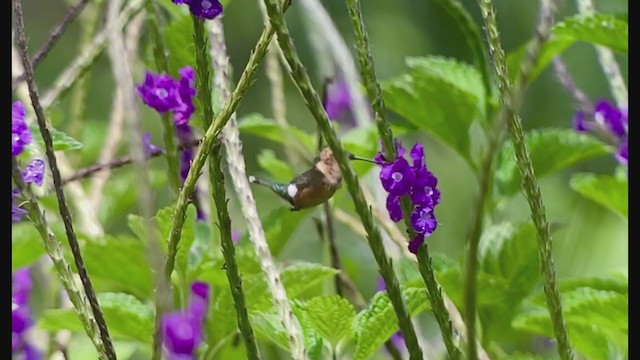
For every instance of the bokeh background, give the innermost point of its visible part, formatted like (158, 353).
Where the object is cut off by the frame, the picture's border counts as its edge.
(594, 242)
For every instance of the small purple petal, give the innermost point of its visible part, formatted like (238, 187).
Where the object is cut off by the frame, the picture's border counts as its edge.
(20, 320)
(423, 220)
(16, 212)
(21, 286)
(20, 133)
(623, 154)
(181, 333)
(186, 91)
(205, 9)
(34, 172)
(415, 243)
(397, 177)
(31, 352)
(199, 304)
(610, 116)
(398, 340)
(382, 286)
(159, 92)
(417, 155)
(235, 237)
(149, 148)
(580, 124)
(337, 99)
(393, 207)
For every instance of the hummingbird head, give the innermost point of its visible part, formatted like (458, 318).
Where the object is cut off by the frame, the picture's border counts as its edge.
(326, 163)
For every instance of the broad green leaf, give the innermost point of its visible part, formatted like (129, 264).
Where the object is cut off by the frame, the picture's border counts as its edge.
(550, 150)
(26, 245)
(599, 29)
(376, 324)
(61, 141)
(440, 96)
(178, 36)
(616, 283)
(510, 251)
(279, 170)
(258, 125)
(593, 317)
(127, 317)
(121, 260)
(136, 225)
(211, 269)
(331, 316)
(606, 190)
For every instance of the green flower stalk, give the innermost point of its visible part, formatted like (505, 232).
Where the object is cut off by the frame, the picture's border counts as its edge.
(509, 99)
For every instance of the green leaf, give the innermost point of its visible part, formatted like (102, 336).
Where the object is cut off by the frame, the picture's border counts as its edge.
(331, 316)
(164, 219)
(279, 170)
(127, 317)
(178, 35)
(376, 324)
(121, 260)
(594, 318)
(61, 141)
(258, 125)
(606, 190)
(440, 96)
(26, 245)
(550, 150)
(599, 29)
(616, 283)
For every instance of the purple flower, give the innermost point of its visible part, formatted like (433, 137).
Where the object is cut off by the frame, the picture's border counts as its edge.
(397, 177)
(182, 334)
(382, 286)
(16, 212)
(623, 153)
(423, 220)
(394, 208)
(21, 316)
(579, 122)
(204, 9)
(186, 92)
(381, 160)
(20, 134)
(159, 91)
(337, 100)
(415, 243)
(182, 331)
(149, 148)
(235, 237)
(34, 172)
(611, 117)
(21, 286)
(398, 340)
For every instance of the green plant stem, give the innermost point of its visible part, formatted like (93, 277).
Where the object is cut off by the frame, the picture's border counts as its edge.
(63, 269)
(314, 103)
(53, 165)
(221, 82)
(374, 92)
(169, 131)
(529, 183)
(473, 36)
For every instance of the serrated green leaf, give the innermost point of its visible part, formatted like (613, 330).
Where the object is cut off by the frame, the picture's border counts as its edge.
(606, 190)
(258, 125)
(615, 283)
(279, 170)
(376, 324)
(600, 29)
(61, 141)
(550, 150)
(127, 317)
(593, 317)
(440, 96)
(26, 245)
(178, 35)
(122, 261)
(330, 316)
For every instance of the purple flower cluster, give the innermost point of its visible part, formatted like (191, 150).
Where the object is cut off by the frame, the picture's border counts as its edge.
(337, 101)
(204, 9)
(20, 138)
(163, 93)
(182, 331)
(397, 339)
(399, 179)
(610, 119)
(21, 316)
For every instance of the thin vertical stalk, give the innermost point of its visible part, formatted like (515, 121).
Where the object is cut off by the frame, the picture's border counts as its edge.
(608, 63)
(367, 69)
(53, 164)
(168, 127)
(529, 182)
(53, 248)
(233, 145)
(314, 103)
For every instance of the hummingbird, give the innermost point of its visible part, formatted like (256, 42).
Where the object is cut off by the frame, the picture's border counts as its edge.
(314, 186)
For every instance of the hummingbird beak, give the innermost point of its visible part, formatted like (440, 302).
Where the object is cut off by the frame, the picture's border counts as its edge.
(353, 157)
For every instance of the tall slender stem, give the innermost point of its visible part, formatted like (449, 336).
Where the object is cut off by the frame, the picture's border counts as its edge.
(367, 69)
(62, 205)
(314, 103)
(529, 182)
(231, 140)
(53, 248)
